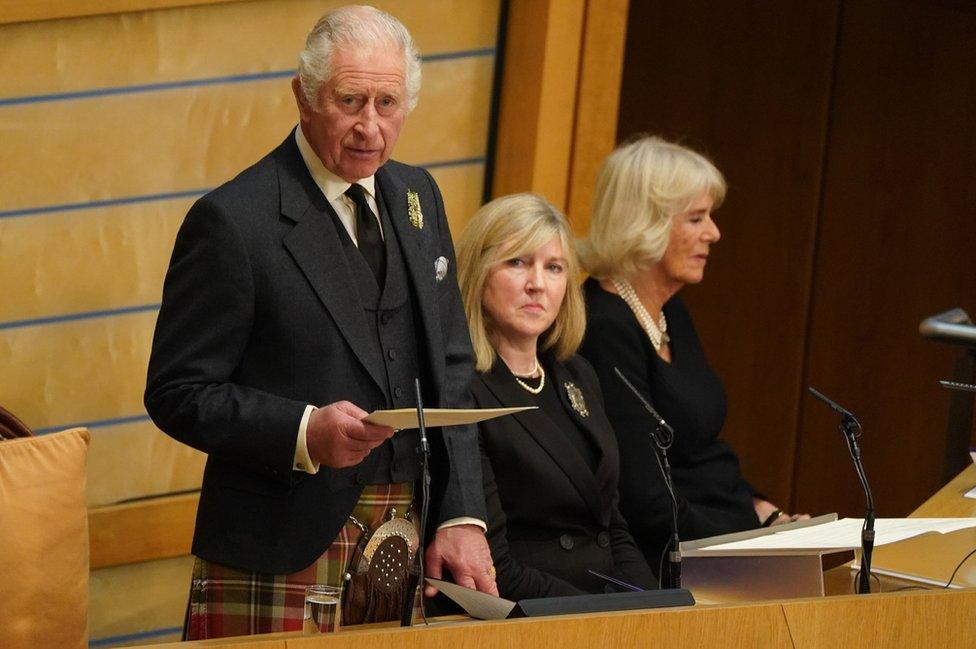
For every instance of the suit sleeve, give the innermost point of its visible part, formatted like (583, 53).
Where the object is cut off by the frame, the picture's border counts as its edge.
(515, 580)
(462, 494)
(628, 562)
(201, 333)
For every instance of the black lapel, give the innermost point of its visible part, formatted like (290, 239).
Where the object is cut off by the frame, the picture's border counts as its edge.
(315, 247)
(419, 262)
(597, 427)
(502, 384)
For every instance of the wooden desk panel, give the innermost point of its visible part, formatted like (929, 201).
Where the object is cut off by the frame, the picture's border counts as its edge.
(685, 628)
(910, 619)
(948, 502)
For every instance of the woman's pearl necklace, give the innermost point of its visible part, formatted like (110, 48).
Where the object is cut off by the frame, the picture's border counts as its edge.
(529, 388)
(656, 331)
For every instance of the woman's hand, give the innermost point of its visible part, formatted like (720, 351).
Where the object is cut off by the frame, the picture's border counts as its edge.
(769, 514)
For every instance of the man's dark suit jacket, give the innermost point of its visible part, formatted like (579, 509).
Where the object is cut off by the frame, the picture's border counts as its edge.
(261, 316)
(550, 517)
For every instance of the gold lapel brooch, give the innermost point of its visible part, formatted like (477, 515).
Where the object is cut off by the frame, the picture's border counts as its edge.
(576, 399)
(413, 210)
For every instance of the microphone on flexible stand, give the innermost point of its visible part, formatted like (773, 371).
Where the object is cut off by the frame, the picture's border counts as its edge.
(851, 428)
(663, 436)
(415, 572)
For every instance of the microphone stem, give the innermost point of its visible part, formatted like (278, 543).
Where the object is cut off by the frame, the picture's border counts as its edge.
(415, 572)
(850, 429)
(674, 552)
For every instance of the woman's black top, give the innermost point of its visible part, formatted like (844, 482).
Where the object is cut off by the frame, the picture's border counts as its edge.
(713, 497)
(550, 478)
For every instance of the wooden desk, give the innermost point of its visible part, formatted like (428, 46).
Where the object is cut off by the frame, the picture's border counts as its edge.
(911, 619)
(935, 556)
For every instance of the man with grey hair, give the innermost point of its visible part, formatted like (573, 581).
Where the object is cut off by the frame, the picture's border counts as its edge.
(306, 292)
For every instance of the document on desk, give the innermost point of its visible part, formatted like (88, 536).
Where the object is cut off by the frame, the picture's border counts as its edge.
(477, 604)
(843, 534)
(406, 418)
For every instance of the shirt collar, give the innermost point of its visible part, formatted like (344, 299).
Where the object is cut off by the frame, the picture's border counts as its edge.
(332, 186)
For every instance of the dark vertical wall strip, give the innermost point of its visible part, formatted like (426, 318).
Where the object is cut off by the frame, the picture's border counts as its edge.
(846, 131)
(496, 99)
(897, 243)
(749, 87)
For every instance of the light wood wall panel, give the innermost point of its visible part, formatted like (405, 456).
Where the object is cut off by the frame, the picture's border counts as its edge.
(121, 252)
(538, 98)
(206, 41)
(16, 11)
(559, 97)
(140, 603)
(193, 138)
(76, 371)
(462, 190)
(154, 463)
(597, 103)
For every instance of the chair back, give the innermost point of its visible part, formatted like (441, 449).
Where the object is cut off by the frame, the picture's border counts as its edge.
(11, 427)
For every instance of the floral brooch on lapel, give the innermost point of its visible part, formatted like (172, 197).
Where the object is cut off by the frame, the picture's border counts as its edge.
(413, 210)
(576, 399)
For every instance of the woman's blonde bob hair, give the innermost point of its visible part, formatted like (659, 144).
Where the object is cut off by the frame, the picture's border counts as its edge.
(509, 227)
(642, 184)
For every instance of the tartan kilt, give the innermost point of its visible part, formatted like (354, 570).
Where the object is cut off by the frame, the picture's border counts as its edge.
(229, 602)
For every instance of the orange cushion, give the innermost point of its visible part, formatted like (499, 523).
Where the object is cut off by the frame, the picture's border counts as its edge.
(44, 541)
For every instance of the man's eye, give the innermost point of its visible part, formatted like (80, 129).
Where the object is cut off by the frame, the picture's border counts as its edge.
(387, 106)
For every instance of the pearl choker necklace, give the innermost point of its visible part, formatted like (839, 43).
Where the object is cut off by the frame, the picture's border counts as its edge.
(526, 386)
(656, 331)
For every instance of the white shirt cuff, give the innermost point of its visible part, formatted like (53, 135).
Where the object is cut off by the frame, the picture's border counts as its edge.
(463, 520)
(303, 462)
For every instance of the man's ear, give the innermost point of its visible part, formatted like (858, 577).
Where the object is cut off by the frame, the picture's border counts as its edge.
(304, 110)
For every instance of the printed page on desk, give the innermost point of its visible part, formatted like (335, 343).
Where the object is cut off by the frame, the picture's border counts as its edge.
(844, 534)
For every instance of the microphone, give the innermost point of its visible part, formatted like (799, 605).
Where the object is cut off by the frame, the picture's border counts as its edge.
(415, 572)
(663, 433)
(955, 385)
(851, 429)
(663, 436)
(844, 412)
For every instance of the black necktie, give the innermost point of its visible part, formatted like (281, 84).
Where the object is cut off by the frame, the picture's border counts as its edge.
(368, 233)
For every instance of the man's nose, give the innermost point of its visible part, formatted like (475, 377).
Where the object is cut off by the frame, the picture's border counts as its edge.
(367, 123)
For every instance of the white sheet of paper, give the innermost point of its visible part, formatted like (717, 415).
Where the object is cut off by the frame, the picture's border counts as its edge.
(844, 534)
(479, 605)
(406, 418)
(971, 493)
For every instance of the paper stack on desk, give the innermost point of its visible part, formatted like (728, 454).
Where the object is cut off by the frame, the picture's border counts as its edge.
(832, 536)
(787, 560)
